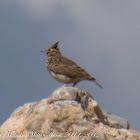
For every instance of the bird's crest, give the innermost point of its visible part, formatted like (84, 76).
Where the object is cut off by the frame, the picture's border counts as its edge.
(55, 45)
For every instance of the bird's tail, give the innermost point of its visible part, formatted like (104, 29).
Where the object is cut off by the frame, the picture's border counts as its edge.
(97, 83)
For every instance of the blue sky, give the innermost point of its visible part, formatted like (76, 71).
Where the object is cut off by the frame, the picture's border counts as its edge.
(101, 36)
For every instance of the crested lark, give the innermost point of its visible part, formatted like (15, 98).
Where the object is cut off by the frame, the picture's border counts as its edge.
(65, 70)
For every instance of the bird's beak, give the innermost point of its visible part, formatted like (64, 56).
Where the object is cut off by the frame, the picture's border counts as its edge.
(44, 51)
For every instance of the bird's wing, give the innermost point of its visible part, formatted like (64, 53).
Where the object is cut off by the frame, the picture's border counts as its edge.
(63, 65)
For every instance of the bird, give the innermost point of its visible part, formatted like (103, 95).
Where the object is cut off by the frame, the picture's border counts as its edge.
(65, 70)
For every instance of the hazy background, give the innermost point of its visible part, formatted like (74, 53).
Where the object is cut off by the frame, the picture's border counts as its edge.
(101, 36)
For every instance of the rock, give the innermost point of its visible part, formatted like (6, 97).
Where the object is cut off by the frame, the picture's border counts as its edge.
(115, 121)
(68, 114)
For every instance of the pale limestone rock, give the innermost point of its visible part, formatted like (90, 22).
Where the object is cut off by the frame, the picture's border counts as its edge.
(68, 114)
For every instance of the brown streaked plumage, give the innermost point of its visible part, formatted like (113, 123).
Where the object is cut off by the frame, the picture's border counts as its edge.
(65, 70)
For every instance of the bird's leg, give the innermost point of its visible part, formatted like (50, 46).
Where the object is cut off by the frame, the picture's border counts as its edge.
(74, 84)
(64, 85)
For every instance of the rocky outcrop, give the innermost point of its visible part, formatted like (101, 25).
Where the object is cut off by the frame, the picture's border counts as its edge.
(68, 114)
